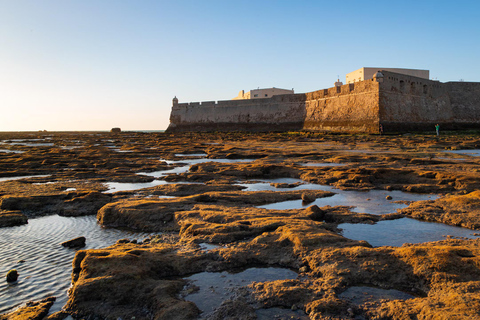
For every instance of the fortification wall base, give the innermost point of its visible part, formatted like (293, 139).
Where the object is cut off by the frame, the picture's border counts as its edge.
(396, 127)
(237, 127)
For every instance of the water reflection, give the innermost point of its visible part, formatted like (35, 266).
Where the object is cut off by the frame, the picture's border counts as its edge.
(216, 287)
(397, 232)
(373, 201)
(471, 152)
(47, 265)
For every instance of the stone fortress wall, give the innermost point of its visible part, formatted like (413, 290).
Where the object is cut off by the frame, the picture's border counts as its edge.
(412, 103)
(399, 102)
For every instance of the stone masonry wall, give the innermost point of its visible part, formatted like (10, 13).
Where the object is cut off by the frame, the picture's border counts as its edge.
(411, 103)
(278, 113)
(465, 102)
(349, 108)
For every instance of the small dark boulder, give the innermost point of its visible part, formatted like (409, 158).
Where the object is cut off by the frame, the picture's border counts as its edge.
(315, 213)
(75, 243)
(388, 197)
(12, 275)
(307, 198)
(116, 130)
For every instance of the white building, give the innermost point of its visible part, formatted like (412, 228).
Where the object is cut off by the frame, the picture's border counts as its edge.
(367, 73)
(262, 93)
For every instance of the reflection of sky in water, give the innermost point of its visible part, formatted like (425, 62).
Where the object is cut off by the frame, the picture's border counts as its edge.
(46, 270)
(23, 177)
(376, 205)
(264, 185)
(120, 186)
(400, 231)
(472, 152)
(11, 151)
(191, 154)
(321, 164)
(361, 295)
(216, 287)
(124, 186)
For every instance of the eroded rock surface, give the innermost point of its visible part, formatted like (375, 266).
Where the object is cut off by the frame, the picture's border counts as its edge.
(206, 204)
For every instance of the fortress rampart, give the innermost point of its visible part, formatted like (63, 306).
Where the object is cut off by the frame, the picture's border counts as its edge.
(398, 102)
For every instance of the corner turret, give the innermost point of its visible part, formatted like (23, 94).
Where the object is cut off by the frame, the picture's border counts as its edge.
(175, 101)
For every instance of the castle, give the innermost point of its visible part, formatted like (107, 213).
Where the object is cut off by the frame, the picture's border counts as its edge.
(399, 100)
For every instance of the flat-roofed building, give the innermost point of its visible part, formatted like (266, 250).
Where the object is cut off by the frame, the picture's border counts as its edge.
(366, 73)
(262, 93)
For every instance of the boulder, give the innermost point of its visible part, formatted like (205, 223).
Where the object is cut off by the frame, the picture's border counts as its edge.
(12, 275)
(75, 243)
(116, 130)
(315, 213)
(307, 198)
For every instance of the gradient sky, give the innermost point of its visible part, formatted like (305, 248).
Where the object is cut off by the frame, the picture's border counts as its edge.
(98, 64)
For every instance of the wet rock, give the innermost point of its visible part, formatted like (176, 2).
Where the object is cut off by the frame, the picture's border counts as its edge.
(75, 243)
(12, 275)
(307, 198)
(388, 197)
(87, 204)
(31, 311)
(315, 213)
(12, 218)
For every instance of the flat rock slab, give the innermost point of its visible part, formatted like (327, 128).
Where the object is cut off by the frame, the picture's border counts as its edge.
(12, 218)
(75, 243)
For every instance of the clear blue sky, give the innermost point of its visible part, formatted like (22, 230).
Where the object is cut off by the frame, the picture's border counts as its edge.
(98, 64)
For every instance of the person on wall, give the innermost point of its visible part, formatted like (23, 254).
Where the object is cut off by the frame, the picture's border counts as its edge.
(437, 129)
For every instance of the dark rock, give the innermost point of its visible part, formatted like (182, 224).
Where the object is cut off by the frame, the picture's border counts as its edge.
(307, 198)
(388, 197)
(75, 243)
(12, 218)
(116, 130)
(12, 275)
(315, 213)
(33, 310)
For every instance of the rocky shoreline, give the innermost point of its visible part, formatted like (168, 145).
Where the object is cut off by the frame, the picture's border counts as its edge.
(207, 204)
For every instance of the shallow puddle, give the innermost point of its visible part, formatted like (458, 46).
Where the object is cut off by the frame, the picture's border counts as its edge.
(216, 287)
(185, 166)
(46, 270)
(208, 246)
(361, 295)
(321, 164)
(11, 151)
(406, 230)
(191, 154)
(471, 152)
(372, 202)
(125, 186)
(24, 177)
(266, 185)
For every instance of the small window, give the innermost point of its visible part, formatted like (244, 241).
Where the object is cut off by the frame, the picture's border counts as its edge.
(266, 95)
(255, 95)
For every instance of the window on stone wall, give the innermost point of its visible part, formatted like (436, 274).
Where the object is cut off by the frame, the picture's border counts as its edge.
(402, 85)
(425, 89)
(255, 95)
(266, 95)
